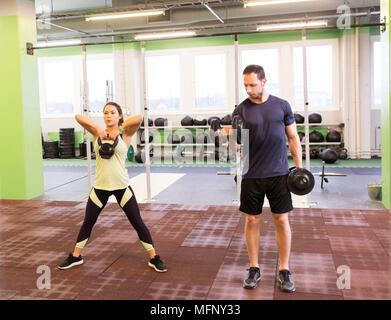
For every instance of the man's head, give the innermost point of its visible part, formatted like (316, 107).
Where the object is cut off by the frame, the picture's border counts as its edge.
(254, 80)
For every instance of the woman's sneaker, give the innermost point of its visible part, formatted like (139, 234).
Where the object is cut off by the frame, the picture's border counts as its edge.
(157, 264)
(286, 281)
(254, 275)
(70, 262)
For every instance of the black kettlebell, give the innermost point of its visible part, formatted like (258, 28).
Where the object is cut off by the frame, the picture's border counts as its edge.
(106, 150)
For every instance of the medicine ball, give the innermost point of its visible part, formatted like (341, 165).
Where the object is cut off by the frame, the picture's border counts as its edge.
(299, 118)
(213, 117)
(316, 136)
(202, 138)
(199, 121)
(150, 122)
(173, 138)
(329, 155)
(333, 136)
(226, 120)
(161, 122)
(300, 181)
(301, 136)
(314, 117)
(187, 121)
(187, 138)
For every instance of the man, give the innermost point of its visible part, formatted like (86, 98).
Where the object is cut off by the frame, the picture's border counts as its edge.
(268, 120)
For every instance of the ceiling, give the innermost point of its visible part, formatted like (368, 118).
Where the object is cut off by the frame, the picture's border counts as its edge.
(65, 19)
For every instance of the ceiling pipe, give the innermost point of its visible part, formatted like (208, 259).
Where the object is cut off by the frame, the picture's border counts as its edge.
(205, 4)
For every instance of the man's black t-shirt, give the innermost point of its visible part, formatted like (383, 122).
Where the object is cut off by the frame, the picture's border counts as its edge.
(266, 136)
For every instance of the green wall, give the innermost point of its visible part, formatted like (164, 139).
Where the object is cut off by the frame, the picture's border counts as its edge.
(21, 166)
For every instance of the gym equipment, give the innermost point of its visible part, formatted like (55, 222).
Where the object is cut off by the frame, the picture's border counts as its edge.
(106, 150)
(215, 125)
(199, 121)
(300, 181)
(226, 120)
(150, 123)
(314, 117)
(314, 153)
(173, 138)
(343, 154)
(213, 117)
(142, 136)
(83, 148)
(67, 143)
(301, 135)
(187, 138)
(333, 136)
(187, 121)
(161, 122)
(130, 153)
(140, 155)
(299, 118)
(237, 125)
(316, 136)
(323, 175)
(329, 155)
(50, 149)
(202, 138)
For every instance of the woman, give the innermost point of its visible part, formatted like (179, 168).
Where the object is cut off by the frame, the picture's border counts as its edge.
(111, 178)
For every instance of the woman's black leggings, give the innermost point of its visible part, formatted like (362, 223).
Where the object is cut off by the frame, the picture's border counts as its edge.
(127, 201)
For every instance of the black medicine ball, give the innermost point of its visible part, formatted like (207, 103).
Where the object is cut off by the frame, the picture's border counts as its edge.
(329, 155)
(187, 121)
(316, 136)
(314, 117)
(299, 118)
(333, 136)
(161, 122)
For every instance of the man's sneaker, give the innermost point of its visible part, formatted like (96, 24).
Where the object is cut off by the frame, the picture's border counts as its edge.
(254, 275)
(70, 262)
(285, 280)
(157, 264)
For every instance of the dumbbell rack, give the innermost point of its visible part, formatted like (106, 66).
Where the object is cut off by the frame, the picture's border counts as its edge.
(176, 145)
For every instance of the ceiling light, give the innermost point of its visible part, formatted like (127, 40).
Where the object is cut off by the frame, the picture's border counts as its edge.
(293, 25)
(58, 43)
(268, 2)
(121, 15)
(153, 36)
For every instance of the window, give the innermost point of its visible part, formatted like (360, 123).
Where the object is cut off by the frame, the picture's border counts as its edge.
(210, 81)
(269, 60)
(376, 75)
(57, 86)
(100, 73)
(319, 76)
(163, 83)
(60, 83)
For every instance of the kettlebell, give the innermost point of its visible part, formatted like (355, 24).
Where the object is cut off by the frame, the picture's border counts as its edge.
(106, 150)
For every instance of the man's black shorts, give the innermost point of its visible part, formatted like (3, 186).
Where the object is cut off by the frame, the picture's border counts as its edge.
(253, 192)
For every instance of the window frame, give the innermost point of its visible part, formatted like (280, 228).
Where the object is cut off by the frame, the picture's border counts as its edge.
(373, 39)
(286, 69)
(187, 71)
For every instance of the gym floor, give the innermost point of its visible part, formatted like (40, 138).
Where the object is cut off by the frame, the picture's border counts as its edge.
(199, 234)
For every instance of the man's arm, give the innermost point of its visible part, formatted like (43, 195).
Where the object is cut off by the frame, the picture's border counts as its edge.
(294, 144)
